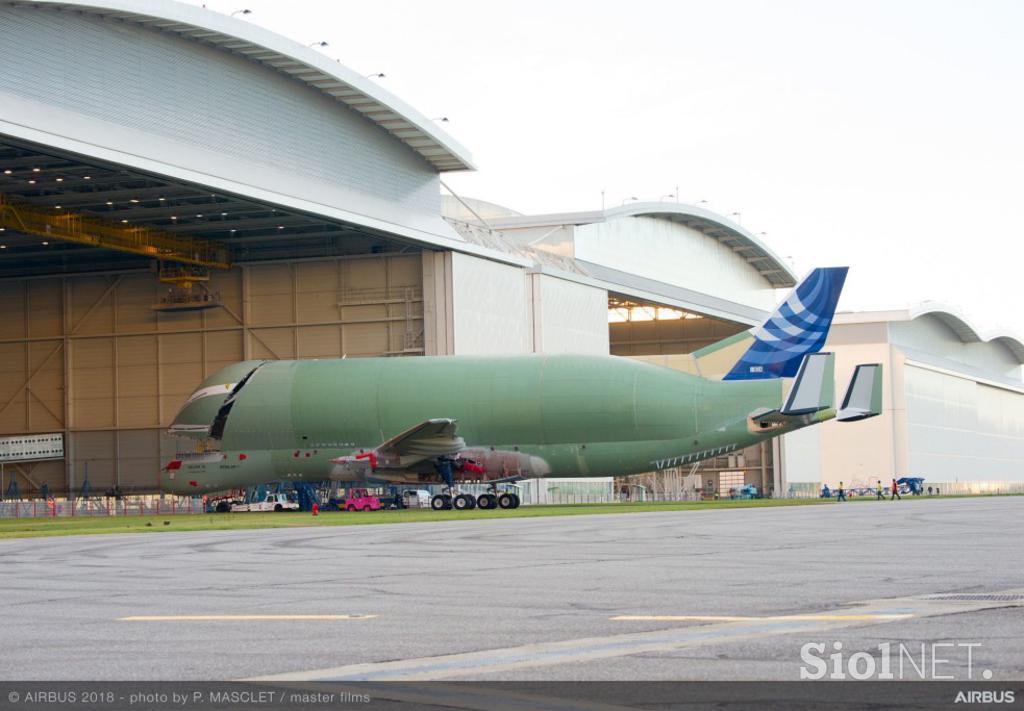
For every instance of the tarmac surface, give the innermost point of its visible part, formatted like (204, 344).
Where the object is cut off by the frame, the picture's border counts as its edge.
(689, 595)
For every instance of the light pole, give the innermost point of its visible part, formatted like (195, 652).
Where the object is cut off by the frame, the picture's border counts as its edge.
(321, 43)
(627, 200)
(379, 75)
(245, 11)
(738, 216)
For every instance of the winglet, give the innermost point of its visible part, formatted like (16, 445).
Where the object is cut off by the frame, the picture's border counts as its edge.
(798, 327)
(863, 397)
(814, 389)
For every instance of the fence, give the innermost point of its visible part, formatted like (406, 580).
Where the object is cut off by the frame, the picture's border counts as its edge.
(135, 506)
(812, 490)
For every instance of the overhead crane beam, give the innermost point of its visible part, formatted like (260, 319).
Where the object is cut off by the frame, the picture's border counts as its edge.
(146, 241)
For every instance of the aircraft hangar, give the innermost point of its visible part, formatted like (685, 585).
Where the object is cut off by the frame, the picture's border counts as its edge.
(182, 189)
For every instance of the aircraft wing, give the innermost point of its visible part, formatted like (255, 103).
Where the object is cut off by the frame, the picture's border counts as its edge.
(430, 438)
(427, 440)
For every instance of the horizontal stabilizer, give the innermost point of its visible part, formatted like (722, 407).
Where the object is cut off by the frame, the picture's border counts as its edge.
(863, 397)
(814, 389)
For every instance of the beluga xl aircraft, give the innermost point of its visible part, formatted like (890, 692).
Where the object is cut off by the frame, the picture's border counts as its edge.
(454, 420)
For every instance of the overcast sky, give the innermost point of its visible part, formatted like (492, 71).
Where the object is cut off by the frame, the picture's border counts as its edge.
(888, 136)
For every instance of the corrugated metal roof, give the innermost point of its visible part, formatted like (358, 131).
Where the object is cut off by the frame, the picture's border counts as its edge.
(286, 56)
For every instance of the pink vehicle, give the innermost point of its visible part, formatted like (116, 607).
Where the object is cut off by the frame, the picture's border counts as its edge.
(361, 500)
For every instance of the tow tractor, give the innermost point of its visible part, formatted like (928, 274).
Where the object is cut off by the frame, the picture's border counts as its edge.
(271, 502)
(359, 500)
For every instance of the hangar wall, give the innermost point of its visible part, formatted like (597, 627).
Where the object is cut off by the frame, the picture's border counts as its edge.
(87, 355)
(685, 256)
(952, 411)
(502, 309)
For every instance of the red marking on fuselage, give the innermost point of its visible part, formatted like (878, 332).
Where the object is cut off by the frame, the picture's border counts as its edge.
(372, 456)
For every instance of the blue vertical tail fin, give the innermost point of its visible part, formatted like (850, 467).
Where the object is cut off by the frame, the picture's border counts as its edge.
(798, 326)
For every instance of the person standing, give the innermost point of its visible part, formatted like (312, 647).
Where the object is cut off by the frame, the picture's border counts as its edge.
(840, 493)
(895, 491)
(879, 492)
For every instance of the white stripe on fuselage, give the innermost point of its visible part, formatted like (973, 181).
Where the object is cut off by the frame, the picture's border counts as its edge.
(224, 389)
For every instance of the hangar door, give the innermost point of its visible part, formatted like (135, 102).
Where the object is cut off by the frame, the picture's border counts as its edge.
(89, 356)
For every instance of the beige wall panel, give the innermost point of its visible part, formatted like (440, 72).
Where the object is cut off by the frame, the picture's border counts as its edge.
(179, 320)
(270, 294)
(137, 381)
(97, 450)
(276, 343)
(137, 411)
(136, 294)
(367, 312)
(92, 382)
(13, 323)
(32, 475)
(180, 379)
(364, 273)
(319, 342)
(46, 302)
(12, 395)
(138, 459)
(227, 285)
(317, 291)
(364, 339)
(137, 350)
(46, 401)
(223, 348)
(181, 348)
(92, 305)
(405, 271)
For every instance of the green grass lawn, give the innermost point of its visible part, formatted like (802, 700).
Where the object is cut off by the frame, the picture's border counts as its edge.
(26, 528)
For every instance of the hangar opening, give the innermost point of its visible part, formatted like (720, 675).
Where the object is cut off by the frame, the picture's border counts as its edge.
(669, 337)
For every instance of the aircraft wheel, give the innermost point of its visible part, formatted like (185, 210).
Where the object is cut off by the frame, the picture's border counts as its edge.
(463, 502)
(506, 501)
(438, 503)
(515, 500)
(487, 501)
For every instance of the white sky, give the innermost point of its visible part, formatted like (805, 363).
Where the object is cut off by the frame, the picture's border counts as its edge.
(888, 136)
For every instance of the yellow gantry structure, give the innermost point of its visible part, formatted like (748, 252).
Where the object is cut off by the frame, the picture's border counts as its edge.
(147, 241)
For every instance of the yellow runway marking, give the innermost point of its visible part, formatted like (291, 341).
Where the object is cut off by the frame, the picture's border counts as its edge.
(231, 618)
(736, 618)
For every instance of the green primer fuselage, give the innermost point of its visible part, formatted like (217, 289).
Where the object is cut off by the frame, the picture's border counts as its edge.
(575, 415)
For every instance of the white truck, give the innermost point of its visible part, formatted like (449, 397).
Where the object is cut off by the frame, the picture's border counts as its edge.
(272, 502)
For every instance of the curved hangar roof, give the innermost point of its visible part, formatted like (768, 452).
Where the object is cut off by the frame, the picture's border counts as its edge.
(947, 315)
(732, 235)
(965, 331)
(303, 64)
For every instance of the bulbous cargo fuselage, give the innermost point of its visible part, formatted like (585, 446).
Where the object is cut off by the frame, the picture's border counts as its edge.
(569, 415)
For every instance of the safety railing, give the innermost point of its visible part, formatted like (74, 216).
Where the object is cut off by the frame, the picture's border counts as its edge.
(54, 508)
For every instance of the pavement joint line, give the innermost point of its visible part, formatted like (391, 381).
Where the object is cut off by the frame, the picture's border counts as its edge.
(574, 651)
(231, 618)
(765, 618)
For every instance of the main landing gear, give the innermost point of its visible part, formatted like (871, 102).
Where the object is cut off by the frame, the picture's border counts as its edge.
(451, 499)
